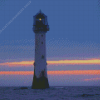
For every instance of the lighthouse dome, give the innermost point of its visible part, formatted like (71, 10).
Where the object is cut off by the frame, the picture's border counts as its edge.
(40, 22)
(40, 15)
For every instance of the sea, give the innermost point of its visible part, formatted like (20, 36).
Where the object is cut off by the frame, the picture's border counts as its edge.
(52, 93)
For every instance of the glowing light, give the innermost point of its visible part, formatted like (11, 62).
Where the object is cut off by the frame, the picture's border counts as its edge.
(40, 19)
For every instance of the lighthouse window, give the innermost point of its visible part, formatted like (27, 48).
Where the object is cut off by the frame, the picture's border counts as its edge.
(41, 42)
(40, 19)
(42, 35)
(42, 57)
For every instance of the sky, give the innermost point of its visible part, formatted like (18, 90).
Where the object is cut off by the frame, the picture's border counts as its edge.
(72, 43)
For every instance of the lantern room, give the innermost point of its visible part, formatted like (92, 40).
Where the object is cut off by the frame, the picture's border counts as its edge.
(40, 23)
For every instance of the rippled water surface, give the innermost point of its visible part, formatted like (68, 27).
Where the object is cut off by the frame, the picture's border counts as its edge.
(53, 93)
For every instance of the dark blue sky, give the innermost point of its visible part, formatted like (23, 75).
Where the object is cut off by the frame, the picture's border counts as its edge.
(73, 24)
(74, 31)
(75, 20)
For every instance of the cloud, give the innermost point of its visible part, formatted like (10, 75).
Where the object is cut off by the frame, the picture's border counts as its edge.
(18, 64)
(67, 72)
(92, 79)
(56, 62)
(61, 48)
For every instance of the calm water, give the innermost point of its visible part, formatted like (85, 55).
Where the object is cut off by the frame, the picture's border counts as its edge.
(53, 93)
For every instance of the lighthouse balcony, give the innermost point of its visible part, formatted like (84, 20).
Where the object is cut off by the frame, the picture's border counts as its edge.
(37, 28)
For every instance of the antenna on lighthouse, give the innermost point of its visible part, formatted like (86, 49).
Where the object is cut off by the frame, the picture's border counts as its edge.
(40, 11)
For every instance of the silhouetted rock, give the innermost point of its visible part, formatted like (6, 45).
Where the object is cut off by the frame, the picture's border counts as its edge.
(40, 83)
(23, 88)
(86, 95)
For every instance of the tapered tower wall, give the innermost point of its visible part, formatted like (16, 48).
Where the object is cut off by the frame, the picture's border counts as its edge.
(40, 54)
(40, 27)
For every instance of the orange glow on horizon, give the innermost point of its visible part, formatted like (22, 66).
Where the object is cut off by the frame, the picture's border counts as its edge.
(76, 62)
(59, 62)
(68, 72)
(21, 63)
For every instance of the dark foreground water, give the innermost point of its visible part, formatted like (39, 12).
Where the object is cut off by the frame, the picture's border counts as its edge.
(53, 93)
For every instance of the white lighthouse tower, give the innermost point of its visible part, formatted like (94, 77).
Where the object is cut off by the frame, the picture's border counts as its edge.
(40, 27)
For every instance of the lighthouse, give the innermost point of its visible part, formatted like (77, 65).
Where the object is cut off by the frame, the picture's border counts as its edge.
(40, 27)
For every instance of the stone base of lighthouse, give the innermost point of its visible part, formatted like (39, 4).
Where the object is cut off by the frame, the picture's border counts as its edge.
(40, 83)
